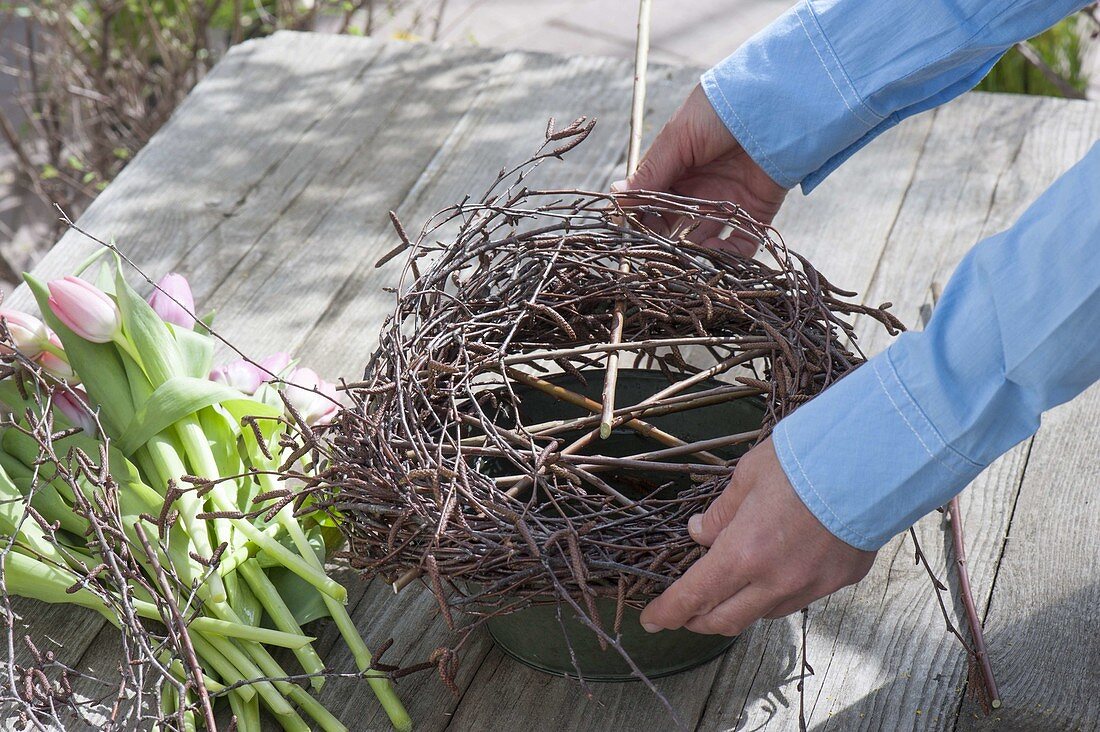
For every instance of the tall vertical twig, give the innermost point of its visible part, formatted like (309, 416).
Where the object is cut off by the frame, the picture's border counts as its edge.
(637, 105)
(633, 155)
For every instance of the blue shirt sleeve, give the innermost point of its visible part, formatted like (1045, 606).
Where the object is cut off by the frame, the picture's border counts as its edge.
(829, 76)
(1013, 335)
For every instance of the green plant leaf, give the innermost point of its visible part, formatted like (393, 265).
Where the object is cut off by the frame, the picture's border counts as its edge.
(11, 506)
(206, 321)
(222, 435)
(262, 407)
(160, 356)
(197, 350)
(178, 398)
(302, 599)
(247, 605)
(11, 397)
(46, 499)
(229, 451)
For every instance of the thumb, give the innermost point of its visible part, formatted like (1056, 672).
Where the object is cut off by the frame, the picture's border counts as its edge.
(661, 165)
(736, 243)
(705, 527)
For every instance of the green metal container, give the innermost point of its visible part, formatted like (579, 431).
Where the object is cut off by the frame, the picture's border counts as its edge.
(536, 636)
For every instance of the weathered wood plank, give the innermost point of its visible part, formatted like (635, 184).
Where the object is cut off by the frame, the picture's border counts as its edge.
(1041, 626)
(222, 141)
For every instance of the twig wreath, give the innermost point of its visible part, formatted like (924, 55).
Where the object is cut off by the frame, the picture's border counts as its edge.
(439, 472)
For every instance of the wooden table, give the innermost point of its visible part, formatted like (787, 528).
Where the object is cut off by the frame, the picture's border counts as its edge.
(270, 187)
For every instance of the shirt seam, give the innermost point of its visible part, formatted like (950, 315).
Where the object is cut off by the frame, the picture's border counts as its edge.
(787, 179)
(820, 498)
(920, 413)
(876, 117)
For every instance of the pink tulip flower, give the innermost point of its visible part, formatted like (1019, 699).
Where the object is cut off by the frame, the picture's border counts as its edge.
(275, 364)
(241, 375)
(28, 333)
(87, 310)
(313, 398)
(55, 364)
(75, 408)
(173, 301)
(245, 377)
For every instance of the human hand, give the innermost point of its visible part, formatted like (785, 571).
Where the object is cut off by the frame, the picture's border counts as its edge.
(695, 155)
(768, 557)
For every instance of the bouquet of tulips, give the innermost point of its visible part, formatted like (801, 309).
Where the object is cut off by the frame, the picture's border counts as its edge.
(123, 443)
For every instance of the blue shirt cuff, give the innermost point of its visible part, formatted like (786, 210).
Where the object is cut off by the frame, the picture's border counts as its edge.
(1012, 336)
(865, 458)
(789, 102)
(829, 76)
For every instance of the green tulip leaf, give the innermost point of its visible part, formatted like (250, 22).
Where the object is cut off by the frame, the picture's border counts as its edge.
(247, 605)
(178, 398)
(148, 334)
(21, 446)
(197, 350)
(11, 505)
(11, 397)
(45, 499)
(269, 424)
(222, 436)
(301, 598)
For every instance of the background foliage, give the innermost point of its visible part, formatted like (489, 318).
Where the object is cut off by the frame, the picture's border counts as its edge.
(97, 78)
(1051, 63)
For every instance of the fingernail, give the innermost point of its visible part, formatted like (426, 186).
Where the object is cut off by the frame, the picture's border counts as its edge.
(618, 186)
(650, 627)
(695, 524)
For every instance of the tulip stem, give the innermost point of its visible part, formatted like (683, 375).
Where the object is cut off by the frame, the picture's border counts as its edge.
(246, 669)
(48, 347)
(163, 454)
(95, 257)
(204, 465)
(283, 618)
(381, 686)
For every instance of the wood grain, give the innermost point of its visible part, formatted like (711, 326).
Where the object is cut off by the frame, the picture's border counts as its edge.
(1041, 626)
